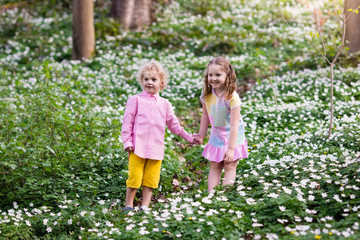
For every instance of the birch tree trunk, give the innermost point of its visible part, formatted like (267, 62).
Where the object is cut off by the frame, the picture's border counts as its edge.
(133, 14)
(83, 29)
(352, 36)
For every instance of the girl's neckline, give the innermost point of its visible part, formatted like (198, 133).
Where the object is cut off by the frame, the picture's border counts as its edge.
(220, 95)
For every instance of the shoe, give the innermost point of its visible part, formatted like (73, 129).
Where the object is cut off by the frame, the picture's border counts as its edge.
(144, 208)
(127, 209)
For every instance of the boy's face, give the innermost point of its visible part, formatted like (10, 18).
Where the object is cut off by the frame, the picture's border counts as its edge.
(151, 82)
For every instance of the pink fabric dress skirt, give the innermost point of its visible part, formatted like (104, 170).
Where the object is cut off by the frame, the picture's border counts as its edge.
(219, 139)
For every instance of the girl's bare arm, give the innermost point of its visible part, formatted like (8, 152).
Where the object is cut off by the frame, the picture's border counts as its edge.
(234, 125)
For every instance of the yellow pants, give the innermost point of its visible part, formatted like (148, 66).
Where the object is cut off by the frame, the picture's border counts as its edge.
(143, 171)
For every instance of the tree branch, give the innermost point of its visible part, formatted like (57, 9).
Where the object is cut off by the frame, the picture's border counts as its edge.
(324, 56)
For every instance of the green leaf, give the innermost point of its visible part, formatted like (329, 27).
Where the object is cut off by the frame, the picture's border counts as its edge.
(3, 147)
(21, 148)
(46, 164)
(51, 150)
(12, 166)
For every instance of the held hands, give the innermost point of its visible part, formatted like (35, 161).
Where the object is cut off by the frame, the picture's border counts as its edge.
(129, 149)
(197, 139)
(229, 156)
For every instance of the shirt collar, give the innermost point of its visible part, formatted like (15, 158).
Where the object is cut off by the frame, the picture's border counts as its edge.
(156, 96)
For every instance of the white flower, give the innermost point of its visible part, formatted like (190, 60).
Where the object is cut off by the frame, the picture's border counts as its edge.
(45, 221)
(337, 198)
(69, 221)
(239, 214)
(272, 236)
(109, 224)
(49, 229)
(130, 226)
(101, 202)
(311, 211)
(206, 200)
(282, 221)
(287, 190)
(105, 210)
(28, 223)
(273, 195)
(297, 219)
(250, 201)
(143, 231)
(302, 227)
(282, 208)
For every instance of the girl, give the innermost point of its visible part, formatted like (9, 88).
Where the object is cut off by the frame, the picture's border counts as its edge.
(221, 109)
(143, 132)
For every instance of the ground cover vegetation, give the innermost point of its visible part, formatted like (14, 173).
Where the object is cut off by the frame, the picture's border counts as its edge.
(62, 165)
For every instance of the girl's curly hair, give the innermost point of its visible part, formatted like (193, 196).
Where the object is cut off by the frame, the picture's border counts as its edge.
(150, 66)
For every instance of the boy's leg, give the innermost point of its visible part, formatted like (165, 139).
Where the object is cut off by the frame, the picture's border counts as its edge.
(130, 195)
(230, 173)
(146, 196)
(214, 174)
(151, 179)
(136, 171)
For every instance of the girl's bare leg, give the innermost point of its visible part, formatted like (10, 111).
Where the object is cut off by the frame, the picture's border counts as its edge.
(214, 174)
(230, 173)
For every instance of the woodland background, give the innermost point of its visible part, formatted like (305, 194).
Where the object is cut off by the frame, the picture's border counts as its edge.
(68, 67)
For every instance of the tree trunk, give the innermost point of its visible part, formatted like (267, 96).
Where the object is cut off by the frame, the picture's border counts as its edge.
(352, 36)
(133, 14)
(83, 29)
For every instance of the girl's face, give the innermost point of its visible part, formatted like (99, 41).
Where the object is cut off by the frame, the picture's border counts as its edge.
(216, 78)
(151, 82)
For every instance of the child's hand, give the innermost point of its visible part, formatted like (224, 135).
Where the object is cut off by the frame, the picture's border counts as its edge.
(197, 139)
(129, 149)
(229, 156)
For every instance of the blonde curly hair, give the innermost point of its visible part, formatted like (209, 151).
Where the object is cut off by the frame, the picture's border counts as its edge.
(150, 66)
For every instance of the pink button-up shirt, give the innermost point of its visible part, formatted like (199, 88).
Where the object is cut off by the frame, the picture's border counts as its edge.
(143, 128)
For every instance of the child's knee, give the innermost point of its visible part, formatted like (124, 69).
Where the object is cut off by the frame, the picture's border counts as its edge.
(217, 165)
(231, 166)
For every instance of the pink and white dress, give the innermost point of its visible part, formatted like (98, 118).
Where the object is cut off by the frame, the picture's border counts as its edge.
(219, 111)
